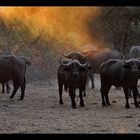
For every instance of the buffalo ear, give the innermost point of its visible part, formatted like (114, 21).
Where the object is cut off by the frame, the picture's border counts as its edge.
(126, 65)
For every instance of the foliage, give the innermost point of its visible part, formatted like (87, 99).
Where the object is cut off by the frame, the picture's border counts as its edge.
(118, 26)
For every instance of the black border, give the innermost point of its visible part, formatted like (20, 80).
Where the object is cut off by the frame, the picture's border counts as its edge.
(69, 2)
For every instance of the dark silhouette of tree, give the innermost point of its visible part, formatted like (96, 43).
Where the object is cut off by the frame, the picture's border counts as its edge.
(118, 26)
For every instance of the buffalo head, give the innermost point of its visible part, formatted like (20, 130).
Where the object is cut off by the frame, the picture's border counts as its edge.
(74, 67)
(133, 65)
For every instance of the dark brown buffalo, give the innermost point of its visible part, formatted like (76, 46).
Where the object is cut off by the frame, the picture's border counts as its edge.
(13, 68)
(72, 75)
(134, 52)
(27, 61)
(119, 73)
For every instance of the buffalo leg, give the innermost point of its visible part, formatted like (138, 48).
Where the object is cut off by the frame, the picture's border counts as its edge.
(16, 86)
(137, 93)
(84, 90)
(126, 97)
(81, 98)
(60, 93)
(102, 89)
(106, 94)
(72, 96)
(92, 81)
(65, 88)
(23, 86)
(135, 90)
(8, 87)
(3, 87)
(84, 93)
(129, 92)
(103, 97)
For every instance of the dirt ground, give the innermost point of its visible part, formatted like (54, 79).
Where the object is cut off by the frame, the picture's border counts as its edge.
(40, 112)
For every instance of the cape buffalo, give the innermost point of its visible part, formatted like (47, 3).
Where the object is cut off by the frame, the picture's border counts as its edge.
(73, 75)
(119, 73)
(134, 52)
(27, 62)
(13, 68)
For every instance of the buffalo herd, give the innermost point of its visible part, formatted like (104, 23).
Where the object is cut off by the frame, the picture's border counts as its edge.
(76, 69)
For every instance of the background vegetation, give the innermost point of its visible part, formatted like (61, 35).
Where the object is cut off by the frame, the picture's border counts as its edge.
(114, 27)
(119, 27)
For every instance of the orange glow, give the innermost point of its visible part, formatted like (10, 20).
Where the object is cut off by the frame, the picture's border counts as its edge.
(67, 24)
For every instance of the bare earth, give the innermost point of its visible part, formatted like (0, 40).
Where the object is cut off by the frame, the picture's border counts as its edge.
(40, 112)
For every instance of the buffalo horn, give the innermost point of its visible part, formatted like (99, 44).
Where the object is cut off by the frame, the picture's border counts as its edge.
(124, 59)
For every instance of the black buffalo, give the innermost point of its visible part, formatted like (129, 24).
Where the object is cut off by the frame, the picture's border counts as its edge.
(81, 58)
(72, 75)
(13, 68)
(119, 73)
(134, 52)
(27, 62)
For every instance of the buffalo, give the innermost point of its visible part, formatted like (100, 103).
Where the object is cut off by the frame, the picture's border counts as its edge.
(81, 58)
(72, 75)
(13, 68)
(134, 52)
(119, 73)
(27, 62)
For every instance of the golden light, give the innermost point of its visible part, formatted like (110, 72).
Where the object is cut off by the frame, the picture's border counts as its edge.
(67, 24)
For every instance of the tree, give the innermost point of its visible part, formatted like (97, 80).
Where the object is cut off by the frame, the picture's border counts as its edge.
(118, 26)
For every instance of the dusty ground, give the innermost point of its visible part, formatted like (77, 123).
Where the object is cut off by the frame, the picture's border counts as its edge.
(40, 112)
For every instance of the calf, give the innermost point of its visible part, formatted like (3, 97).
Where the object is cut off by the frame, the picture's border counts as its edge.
(119, 73)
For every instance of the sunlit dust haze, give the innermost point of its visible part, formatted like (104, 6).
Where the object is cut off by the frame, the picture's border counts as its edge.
(66, 24)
